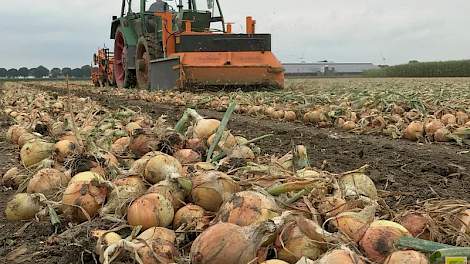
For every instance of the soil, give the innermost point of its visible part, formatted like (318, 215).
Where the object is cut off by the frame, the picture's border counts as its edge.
(406, 172)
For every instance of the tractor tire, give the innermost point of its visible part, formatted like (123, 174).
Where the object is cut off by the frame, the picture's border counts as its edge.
(147, 50)
(124, 77)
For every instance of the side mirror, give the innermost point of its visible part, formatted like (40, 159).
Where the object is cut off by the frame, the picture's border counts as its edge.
(210, 4)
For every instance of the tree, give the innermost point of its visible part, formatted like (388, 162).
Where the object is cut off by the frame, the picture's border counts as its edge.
(40, 72)
(86, 71)
(3, 72)
(77, 73)
(12, 73)
(55, 72)
(67, 71)
(23, 72)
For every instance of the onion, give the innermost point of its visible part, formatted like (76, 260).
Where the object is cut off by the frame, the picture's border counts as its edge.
(299, 239)
(461, 117)
(156, 245)
(357, 184)
(47, 181)
(126, 190)
(416, 224)
(142, 145)
(247, 208)
(315, 117)
(332, 206)
(279, 114)
(107, 239)
(242, 152)
(230, 244)
(86, 176)
(187, 156)
(162, 167)
(433, 126)
(120, 146)
(407, 257)
(64, 149)
(34, 152)
(414, 131)
(81, 197)
(195, 144)
(442, 135)
(14, 133)
(138, 167)
(379, 239)
(13, 178)
(171, 190)
(449, 119)
(24, 138)
(204, 128)
(211, 189)
(150, 210)
(22, 206)
(354, 224)
(340, 256)
(290, 116)
(275, 261)
(349, 125)
(132, 127)
(226, 143)
(190, 215)
(462, 222)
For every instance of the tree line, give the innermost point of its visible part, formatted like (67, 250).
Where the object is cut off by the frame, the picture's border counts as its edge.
(414, 68)
(43, 72)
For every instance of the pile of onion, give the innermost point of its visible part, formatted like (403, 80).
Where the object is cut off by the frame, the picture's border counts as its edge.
(34, 152)
(125, 190)
(151, 210)
(211, 189)
(23, 206)
(162, 167)
(247, 208)
(48, 182)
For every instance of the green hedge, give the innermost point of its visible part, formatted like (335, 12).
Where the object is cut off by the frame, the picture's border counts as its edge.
(425, 69)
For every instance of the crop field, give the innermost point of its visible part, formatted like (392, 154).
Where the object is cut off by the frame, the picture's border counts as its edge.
(352, 169)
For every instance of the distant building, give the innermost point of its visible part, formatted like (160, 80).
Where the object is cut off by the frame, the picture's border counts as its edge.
(327, 68)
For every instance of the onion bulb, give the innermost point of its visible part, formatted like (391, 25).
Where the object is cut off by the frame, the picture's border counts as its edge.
(83, 197)
(132, 127)
(414, 131)
(125, 190)
(226, 143)
(120, 146)
(416, 224)
(13, 178)
(171, 190)
(187, 156)
(190, 214)
(26, 137)
(156, 245)
(348, 125)
(162, 167)
(274, 261)
(449, 119)
(432, 126)
(22, 206)
(150, 210)
(442, 135)
(86, 176)
(290, 116)
(357, 184)
(354, 224)
(211, 189)
(142, 145)
(34, 152)
(204, 128)
(461, 117)
(315, 116)
(462, 222)
(407, 257)
(379, 239)
(14, 133)
(242, 152)
(247, 208)
(340, 256)
(229, 244)
(64, 149)
(47, 181)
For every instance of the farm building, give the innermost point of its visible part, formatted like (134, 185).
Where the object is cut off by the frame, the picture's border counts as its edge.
(327, 68)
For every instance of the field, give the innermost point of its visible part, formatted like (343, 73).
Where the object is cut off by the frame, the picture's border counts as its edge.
(411, 133)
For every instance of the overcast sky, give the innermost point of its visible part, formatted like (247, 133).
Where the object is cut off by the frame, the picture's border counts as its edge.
(67, 32)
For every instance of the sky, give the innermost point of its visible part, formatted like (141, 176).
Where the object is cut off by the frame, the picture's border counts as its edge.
(60, 33)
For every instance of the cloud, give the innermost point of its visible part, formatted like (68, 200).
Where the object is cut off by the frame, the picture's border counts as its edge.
(65, 32)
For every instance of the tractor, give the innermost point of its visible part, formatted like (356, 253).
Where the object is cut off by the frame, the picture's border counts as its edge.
(103, 68)
(187, 44)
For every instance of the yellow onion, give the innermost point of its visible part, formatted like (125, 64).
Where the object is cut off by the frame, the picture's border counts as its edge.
(195, 144)
(107, 239)
(138, 167)
(229, 244)
(162, 167)
(190, 214)
(332, 206)
(414, 131)
(449, 119)
(379, 239)
(120, 146)
(341, 256)
(433, 126)
(226, 143)
(86, 176)
(274, 261)
(204, 128)
(125, 190)
(24, 138)
(349, 125)
(14, 133)
(416, 224)
(171, 190)
(357, 184)
(242, 152)
(290, 116)
(47, 181)
(132, 127)
(407, 257)
(315, 116)
(156, 245)
(22, 206)
(299, 239)
(142, 145)
(187, 156)
(462, 222)
(279, 114)
(150, 210)
(14, 178)
(461, 117)
(354, 224)
(64, 149)
(34, 152)
(211, 189)
(81, 197)
(442, 135)
(247, 208)
(70, 136)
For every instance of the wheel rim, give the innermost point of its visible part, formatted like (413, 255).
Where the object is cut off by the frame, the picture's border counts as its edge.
(120, 59)
(143, 67)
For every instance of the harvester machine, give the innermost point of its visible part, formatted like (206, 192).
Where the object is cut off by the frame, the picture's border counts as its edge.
(187, 44)
(102, 73)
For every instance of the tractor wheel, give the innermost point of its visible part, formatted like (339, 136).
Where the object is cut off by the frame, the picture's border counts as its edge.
(124, 77)
(142, 63)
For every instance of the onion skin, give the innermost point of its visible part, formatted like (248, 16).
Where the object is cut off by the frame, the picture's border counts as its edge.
(25, 138)
(211, 189)
(120, 146)
(87, 195)
(64, 149)
(34, 152)
(416, 224)
(150, 210)
(162, 167)
(13, 178)
(171, 190)
(188, 215)
(432, 126)
(187, 156)
(449, 119)
(125, 190)
(226, 143)
(354, 225)
(407, 257)
(22, 206)
(315, 117)
(159, 241)
(204, 128)
(86, 176)
(247, 208)
(47, 181)
(14, 133)
(274, 261)
(442, 135)
(142, 145)
(414, 131)
(357, 184)
(379, 239)
(340, 256)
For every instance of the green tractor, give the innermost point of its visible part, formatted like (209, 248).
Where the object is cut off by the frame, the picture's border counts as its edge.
(163, 46)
